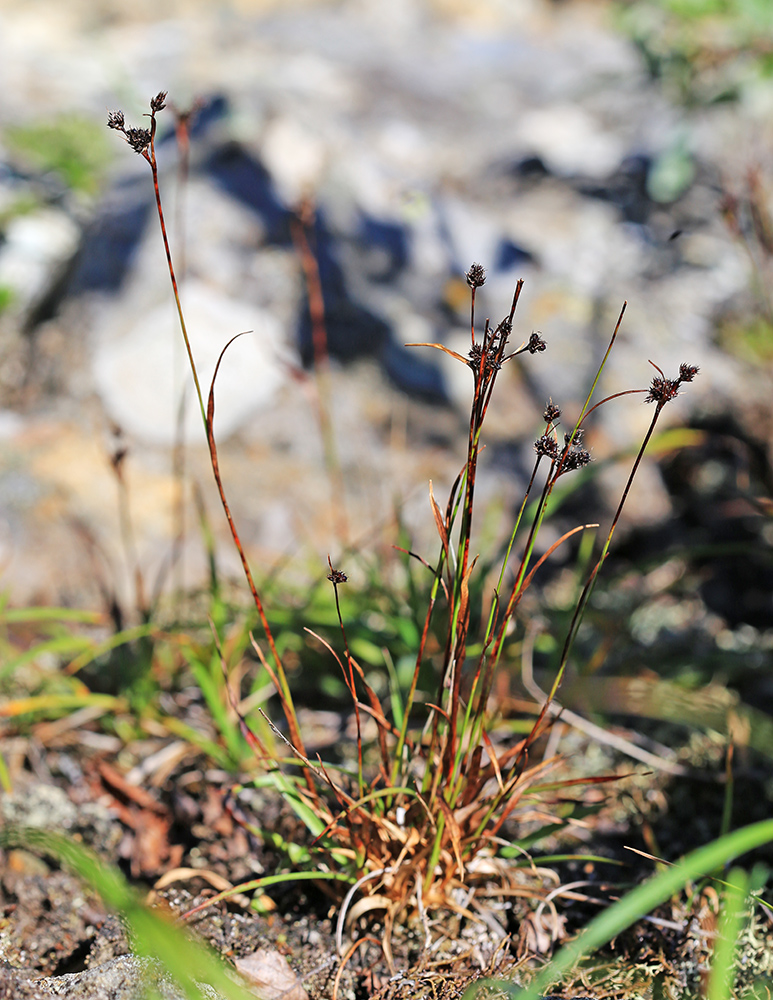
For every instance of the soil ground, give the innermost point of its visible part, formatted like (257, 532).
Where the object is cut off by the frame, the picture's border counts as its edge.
(56, 938)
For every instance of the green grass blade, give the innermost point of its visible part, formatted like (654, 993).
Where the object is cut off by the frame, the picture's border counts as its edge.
(119, 639)
(297, 803)
(189, 962)
(5, 777)
(395, 697)
(636, 904)
(265, 880)
(553, 859)
(15, 616)
(60, 703)
(215, 752)
(211, 686)
(722, 977)
(64, 645)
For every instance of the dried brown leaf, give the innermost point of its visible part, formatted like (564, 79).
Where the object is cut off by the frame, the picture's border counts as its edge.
(271, 975)
(438, 520)
(446, 350)
(454, 832)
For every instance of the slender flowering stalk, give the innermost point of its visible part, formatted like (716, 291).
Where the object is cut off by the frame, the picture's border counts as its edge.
(476, 277)
(662, 391)
(142, 141)
(337, 577)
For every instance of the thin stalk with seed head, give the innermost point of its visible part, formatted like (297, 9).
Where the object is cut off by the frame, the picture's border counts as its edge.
(143, 142)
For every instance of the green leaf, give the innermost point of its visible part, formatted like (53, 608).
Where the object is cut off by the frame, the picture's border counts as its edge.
(732, 920)
(64, 646)
(75, 148)
(366, 651)
(188, 961)
(635, 905)
(13, 616)
(671, 174)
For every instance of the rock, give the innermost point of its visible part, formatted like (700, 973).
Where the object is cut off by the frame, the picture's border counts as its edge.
(20, 984)
(243, 177)
(140, 372)
(569, 141)
(47, 807)
(43, 807)
(35, 249)
(295, 158)
(124, 978)
(112, 239)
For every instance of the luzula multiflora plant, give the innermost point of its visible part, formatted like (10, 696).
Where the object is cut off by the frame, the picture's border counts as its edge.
(428, 817)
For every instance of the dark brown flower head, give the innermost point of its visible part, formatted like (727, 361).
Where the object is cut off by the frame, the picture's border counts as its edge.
(476, 276)
(662, 390)
(138, 138)
(536, 343)
(158, 103)
(575, 441)
(552, 412)
(546, 446)
(115, 119)
(505, 328)
(492, 363)
(687, 372)
(336, 576)
(574, 456)
(577, 458)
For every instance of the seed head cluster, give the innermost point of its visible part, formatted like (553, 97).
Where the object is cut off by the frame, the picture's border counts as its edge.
(476, 276)
(546, 447)
(492, 363)
(572, 456)
(138, 138)
(486, 357)
(662, 390)
(576, 458)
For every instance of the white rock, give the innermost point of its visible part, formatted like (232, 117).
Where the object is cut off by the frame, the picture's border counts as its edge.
(569, 140)
(139, 372)
(295, 157)
(10, 424)
(33, 245)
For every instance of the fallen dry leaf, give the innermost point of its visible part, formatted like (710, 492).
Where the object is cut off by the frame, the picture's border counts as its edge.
(270, 972)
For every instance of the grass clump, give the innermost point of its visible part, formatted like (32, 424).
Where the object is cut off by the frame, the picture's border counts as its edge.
(424, 816)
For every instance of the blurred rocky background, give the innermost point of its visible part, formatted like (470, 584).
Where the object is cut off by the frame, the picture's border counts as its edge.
(601, 151)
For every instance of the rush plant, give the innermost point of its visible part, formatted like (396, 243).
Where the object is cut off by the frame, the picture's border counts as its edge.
(424, 815)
